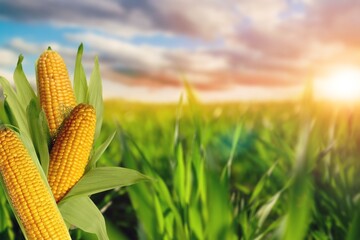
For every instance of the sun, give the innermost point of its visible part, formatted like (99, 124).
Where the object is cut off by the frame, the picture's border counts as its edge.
(342, 84)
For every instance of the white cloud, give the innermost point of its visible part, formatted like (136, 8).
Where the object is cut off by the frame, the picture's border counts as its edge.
(122, 52)
(259, 44)
(264, 14)
(8, 57)
(140, 93)
(25, 47)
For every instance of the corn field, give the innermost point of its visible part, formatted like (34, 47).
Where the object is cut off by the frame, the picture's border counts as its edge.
(275, 170)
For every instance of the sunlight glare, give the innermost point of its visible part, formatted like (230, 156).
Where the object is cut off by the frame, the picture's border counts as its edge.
(341, 84)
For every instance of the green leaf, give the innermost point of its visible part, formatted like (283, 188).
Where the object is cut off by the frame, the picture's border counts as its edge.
(301, 191)
(83, 213)
(4, 212)
(195, 112)
(17, 109)
(261, 183)
(105, 178)
(141, 196)
(180, 175)
(227, 170)
(95, 95)
(265, 210)
(39, 133)
(219, 204)
(159, 215)
(23, 88)
(6, 114)
(163, 191)
(80, 84)
(99, 151)
(354, 230)
(299, 213)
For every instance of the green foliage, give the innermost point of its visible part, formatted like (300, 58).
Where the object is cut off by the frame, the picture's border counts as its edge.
(39, 132)
(276, 170)
(80, 83)
(105, 178)
(81, 212)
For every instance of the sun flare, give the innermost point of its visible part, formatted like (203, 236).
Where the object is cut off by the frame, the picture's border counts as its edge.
(342, 84)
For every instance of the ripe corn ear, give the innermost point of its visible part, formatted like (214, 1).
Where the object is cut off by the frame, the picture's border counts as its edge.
(71, 150)
(30, 197)
(54, 89)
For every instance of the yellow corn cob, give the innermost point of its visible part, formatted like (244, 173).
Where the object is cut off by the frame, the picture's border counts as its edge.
(31, 198)
(54, 88)
(70, 152)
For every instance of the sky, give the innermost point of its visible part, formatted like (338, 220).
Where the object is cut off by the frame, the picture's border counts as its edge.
(226, 49)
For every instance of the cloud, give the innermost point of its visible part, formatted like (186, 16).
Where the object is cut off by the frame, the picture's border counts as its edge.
(8, 57)
(127, 17)
(260, 43)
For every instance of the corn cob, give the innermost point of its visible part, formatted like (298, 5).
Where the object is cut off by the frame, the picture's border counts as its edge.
(30, 197)
(70, 152)
(54, 88)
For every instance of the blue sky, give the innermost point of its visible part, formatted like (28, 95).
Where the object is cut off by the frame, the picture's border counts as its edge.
(228, 50)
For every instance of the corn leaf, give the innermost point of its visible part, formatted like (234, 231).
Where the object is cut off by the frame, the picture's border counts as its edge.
(6, 115)
(163, 191)
(17, 109)
(159, 215)
(23, 88)
(300, 192)
(195, 112)
(219, 205)
(142, 201)
(95, 95)
(180, 175)
(265, 210)
(226, 173)
(80, 84)
(4, 213)
(39, 133)
(83, 213)
(354, 230)
(105, 178)
(99, 151)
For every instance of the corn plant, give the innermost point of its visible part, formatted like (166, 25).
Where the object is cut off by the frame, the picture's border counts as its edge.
(48, 154)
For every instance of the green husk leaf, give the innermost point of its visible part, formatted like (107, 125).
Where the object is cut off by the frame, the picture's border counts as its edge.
(17, 109)
(99, 151)
(6, 115)
(23, 88)
(105, 178)
(95, 95)
(80, 84)
(83, 213)
(39, 133)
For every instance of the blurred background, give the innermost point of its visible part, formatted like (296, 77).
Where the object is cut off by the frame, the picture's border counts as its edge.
(228, 50)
